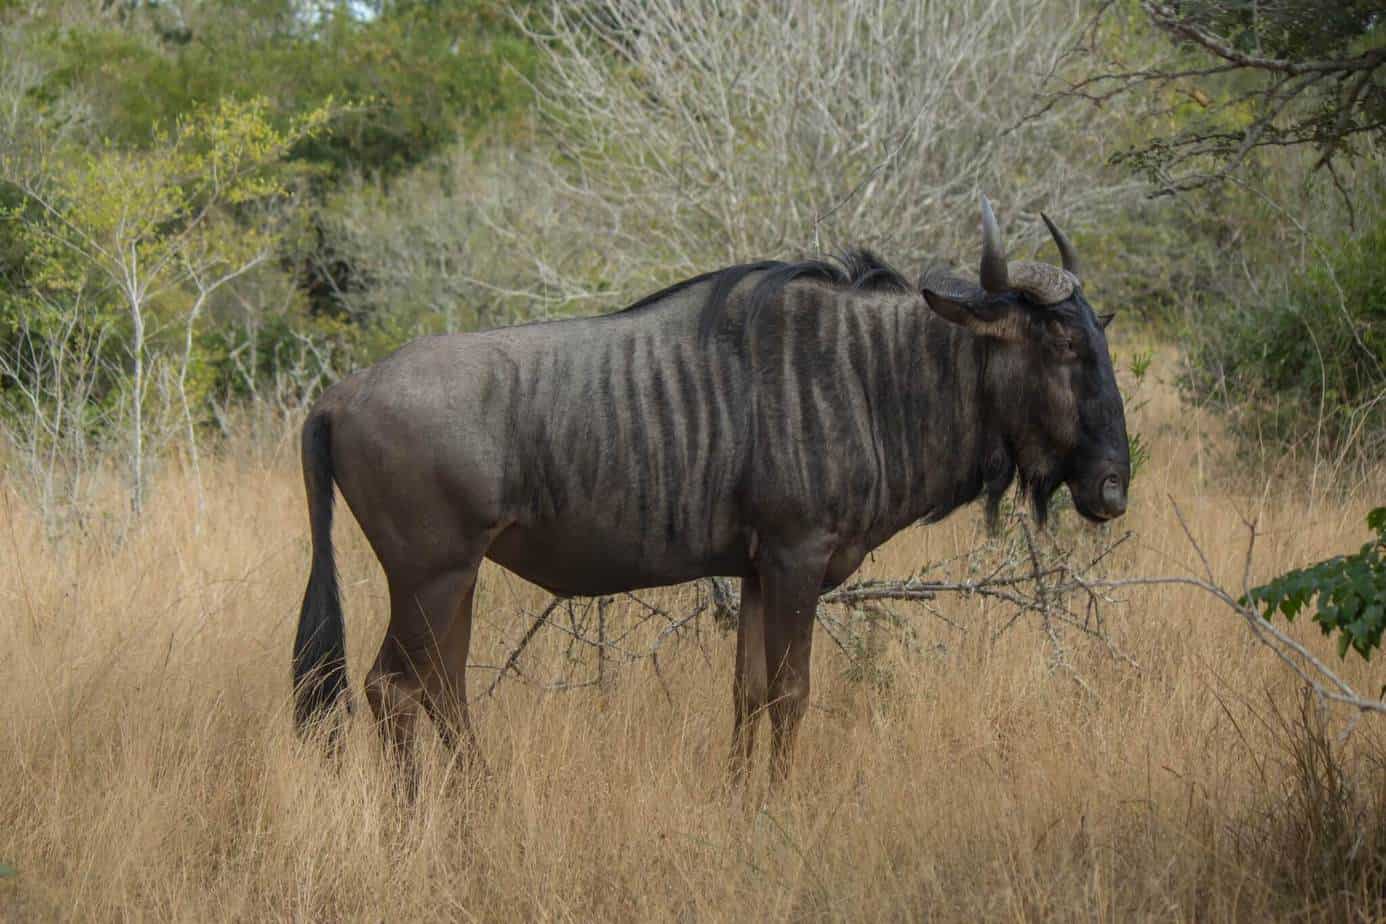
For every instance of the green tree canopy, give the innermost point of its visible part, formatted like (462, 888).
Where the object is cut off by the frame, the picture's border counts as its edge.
(418, 75)
(1245, 75)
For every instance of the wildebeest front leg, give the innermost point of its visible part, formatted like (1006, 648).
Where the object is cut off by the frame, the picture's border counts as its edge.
(749, 687)
(790, 583)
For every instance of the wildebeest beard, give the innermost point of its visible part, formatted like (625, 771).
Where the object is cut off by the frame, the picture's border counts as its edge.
(1036, 487)
(998, 475)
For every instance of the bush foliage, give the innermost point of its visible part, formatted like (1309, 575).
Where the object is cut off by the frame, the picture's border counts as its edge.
(1350, 589)
(421, 75)
(1306, 366)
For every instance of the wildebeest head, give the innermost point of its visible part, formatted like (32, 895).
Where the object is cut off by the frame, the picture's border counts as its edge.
(1048, 377)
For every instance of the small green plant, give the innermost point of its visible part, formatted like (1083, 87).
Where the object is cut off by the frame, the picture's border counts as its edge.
(1140, 365)
(1351, 592)
(1138, 448)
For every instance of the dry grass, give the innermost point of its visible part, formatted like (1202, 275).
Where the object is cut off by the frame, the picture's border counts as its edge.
(149, 770)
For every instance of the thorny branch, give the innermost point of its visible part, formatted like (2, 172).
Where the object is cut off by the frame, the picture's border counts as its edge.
(1029, 575)
(1061, 581)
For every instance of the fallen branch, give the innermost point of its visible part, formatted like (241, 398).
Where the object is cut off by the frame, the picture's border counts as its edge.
(513, 659)
(1028, 574)
(1032, 574)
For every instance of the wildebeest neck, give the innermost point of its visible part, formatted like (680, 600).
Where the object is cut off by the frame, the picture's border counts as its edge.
(868, 411)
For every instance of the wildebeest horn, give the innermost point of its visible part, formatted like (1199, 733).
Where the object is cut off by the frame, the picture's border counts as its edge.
(1065, 248)
(994, 278)
(1043, 283)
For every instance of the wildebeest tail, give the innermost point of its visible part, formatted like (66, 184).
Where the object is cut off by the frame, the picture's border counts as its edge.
(320, 678)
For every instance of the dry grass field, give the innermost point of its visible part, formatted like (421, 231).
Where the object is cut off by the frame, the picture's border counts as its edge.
(148, 769)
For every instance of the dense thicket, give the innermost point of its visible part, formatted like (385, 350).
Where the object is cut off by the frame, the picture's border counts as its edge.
(1305, 366)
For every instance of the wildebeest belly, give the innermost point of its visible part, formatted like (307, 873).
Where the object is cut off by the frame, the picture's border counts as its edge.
(570, 561)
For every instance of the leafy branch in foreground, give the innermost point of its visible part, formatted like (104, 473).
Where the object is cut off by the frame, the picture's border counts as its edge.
(1351, 592)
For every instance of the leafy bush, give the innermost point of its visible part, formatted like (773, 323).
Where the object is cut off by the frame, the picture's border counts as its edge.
(1351, 590)
(420, 76)
(1306, 367)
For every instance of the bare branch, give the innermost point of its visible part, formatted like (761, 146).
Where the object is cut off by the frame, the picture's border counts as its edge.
(1313, 100)
(1030, 575)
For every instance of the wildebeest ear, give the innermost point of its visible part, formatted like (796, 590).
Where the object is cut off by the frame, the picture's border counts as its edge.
(959, 300)
(1105, 319)
(987, 317)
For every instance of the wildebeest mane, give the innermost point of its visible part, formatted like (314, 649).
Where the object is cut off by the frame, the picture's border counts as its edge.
(692, 281)
(858, 269)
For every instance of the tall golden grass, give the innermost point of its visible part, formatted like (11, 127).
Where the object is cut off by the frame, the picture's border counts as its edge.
(148, 769)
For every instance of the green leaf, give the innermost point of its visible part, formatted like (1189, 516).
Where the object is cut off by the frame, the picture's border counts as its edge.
(1350, 589)
(7, 871)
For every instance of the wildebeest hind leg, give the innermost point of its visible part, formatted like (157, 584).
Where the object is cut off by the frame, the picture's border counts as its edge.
(447, 694)
(749, 690)
(407, 671)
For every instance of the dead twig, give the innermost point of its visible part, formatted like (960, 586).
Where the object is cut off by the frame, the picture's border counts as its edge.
(512, 659)
(1031, 575)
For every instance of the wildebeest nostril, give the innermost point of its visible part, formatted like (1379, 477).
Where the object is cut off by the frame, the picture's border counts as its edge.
(1113, 495)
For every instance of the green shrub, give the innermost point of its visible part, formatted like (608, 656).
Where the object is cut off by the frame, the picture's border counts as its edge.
(1351, 593)
(417, 76)
(1306, 368)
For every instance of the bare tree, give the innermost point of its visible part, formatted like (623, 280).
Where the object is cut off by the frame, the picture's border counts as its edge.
(50, 370)
(674, 137)
(693, 134)
(682, 136)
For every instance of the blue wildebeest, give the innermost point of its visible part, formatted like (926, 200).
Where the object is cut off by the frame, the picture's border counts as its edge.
(773, 422)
